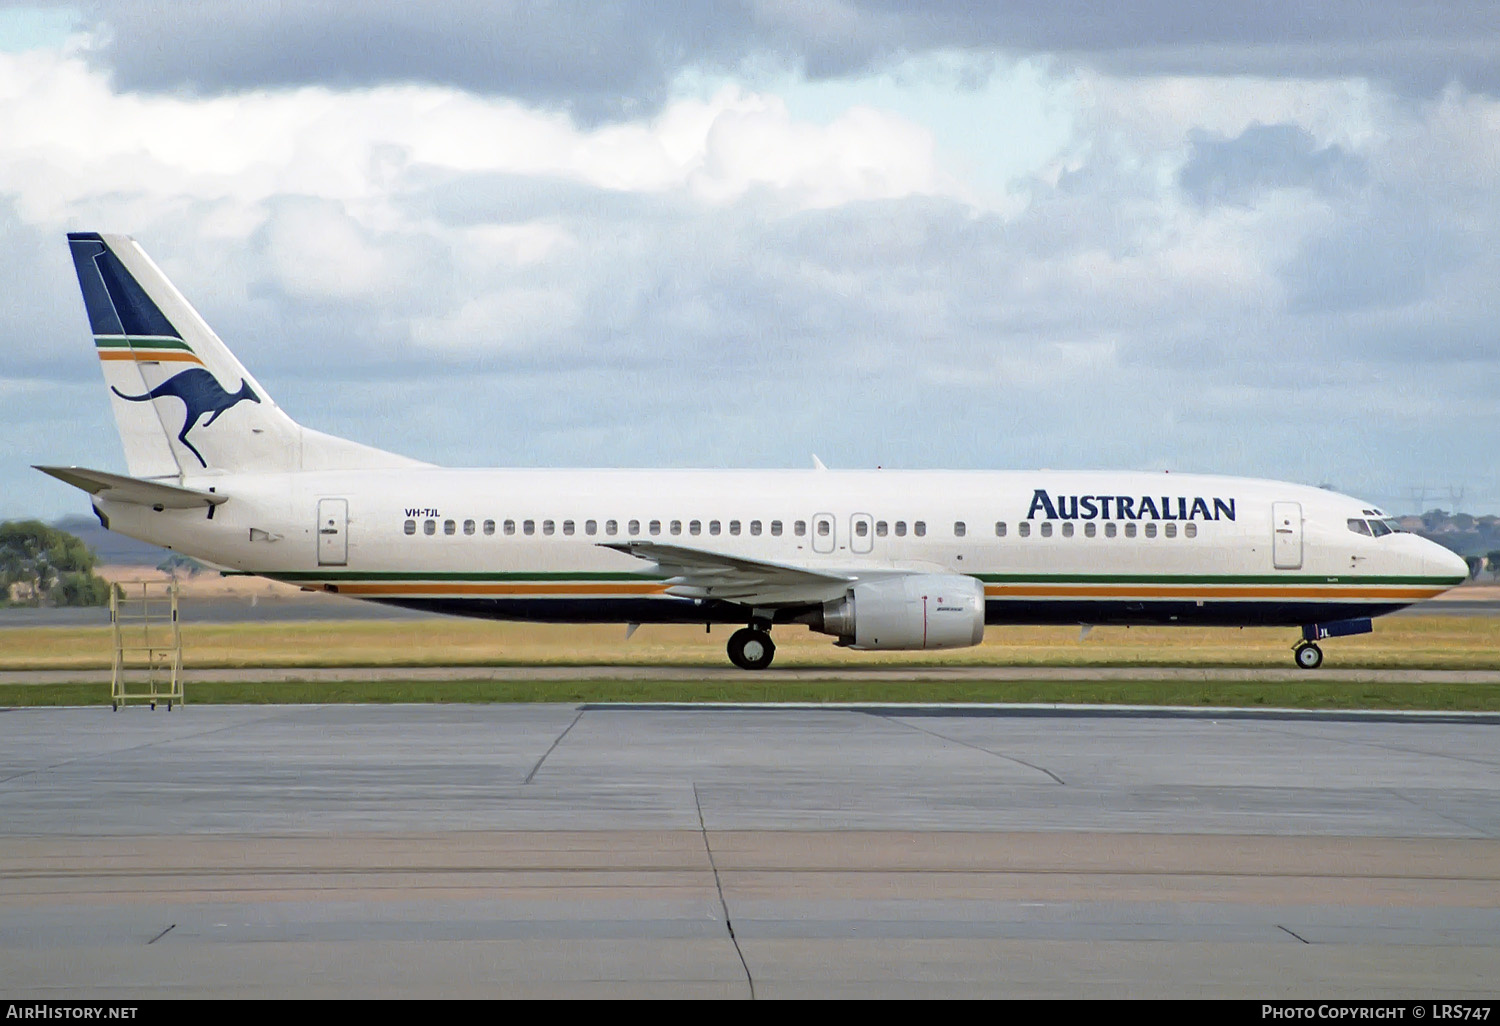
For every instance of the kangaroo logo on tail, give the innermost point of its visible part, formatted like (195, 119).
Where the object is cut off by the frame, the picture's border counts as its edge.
(200, 393)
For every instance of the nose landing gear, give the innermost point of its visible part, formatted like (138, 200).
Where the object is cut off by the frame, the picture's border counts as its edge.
(751, 648)
(1308, 655)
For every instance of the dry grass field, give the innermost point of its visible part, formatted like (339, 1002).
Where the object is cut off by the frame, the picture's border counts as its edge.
(1400, 642)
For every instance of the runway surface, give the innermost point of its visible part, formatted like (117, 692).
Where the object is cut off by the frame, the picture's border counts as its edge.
(550, 850)
(321, 607)
(100, 675)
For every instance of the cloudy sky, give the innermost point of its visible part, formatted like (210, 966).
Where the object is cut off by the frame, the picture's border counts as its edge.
(1257, 239)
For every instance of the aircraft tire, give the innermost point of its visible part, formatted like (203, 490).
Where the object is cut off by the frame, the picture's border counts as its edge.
(750, 649)
(1309, 656)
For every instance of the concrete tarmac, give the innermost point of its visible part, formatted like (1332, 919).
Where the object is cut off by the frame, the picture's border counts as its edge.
(551, 850)
(330, 674)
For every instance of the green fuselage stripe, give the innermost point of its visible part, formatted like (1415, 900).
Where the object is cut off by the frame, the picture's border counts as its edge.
(121, 342)
(1082, 579)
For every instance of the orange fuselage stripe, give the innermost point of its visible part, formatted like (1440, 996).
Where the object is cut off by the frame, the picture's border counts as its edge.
(149, 356)
(991, 591)
(1195, 591)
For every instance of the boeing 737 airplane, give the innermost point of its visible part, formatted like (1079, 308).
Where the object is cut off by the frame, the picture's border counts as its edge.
(877, 559)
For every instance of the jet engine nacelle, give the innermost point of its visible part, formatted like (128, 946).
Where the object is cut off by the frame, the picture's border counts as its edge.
(912, 611)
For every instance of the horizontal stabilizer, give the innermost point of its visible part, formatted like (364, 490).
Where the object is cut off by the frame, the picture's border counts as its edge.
(119, 488)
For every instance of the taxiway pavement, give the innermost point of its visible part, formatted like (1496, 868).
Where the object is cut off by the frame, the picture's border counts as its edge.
(541, 850)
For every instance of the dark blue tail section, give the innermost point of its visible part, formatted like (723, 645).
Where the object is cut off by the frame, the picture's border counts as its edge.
(117, 305)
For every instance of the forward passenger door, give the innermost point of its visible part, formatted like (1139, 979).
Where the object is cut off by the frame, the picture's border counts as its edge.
(1286, 536)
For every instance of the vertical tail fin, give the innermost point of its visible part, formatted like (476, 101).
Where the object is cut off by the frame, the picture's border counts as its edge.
(183, 403)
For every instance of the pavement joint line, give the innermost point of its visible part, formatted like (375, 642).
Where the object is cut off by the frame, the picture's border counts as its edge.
(978, 748)
(1398, 793)
(718, 886)
(1048, 709)
(553, 746)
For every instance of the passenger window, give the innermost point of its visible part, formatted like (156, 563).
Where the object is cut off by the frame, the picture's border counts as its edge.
(861, 528)
(1024, 529)
(1110, 529)
(695, 527)
(823, 528)
(1090, 529)
(1130, 530)
(469, 526)
(999, 528)
(880, 528)
(1067, 531)
(429, 527)
(755, 527)
(799, 528)
(548, 527)
(713, 527)
(656, 527)
(734, 527)
(411, 527)
(489, 527)
(567, 527)
(635, 527)
(611, 527)
(1190, 530)
(591, 527)
(919, 528)
(450, 527)
(1151, 529)
(1046, 529)
(1378, 528)
(901, 529)
(510, 527)
(1170, 530)
(959, 527)
(776, 528)
(677, 527)
(528, 527)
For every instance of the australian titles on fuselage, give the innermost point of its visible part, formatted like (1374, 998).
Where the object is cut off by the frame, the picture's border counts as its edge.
(895, 560)
(1128, 507)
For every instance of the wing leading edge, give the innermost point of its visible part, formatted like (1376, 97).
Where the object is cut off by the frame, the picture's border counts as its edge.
(702, 574)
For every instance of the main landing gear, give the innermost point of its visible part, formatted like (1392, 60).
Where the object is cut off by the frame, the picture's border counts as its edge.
(1308, 655)
(751, 648)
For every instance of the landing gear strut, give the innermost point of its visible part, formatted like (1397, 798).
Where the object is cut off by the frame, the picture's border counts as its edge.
(1308, 655)
(751, 648)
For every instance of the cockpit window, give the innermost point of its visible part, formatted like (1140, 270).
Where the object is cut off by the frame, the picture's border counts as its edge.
(1358, 526)
(1393, 524)
(1378, 528)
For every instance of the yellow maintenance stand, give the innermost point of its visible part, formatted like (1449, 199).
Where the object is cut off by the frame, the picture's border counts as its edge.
(148, 643)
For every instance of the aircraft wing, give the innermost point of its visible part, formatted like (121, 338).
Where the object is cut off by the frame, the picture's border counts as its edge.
(119, 488)
(700, 573)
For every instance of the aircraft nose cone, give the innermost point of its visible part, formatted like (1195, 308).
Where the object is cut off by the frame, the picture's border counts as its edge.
(1441, 562)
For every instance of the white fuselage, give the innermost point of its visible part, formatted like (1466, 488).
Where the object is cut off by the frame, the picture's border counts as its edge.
(1049, 546)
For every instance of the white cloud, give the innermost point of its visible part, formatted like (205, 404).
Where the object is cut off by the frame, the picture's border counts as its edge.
(728, 281)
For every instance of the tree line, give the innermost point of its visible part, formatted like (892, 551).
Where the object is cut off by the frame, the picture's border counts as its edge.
(42, 566)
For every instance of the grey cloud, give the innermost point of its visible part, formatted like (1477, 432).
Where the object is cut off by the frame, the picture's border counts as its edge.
(613, 60)
(1262, 157)
(1390, 260)
(747, 334)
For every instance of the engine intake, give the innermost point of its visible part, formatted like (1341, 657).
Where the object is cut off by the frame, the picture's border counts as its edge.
(911, 611)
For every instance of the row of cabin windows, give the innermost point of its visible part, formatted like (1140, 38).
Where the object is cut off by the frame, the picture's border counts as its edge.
(694, 527)
(823, 527)
(1091, 529)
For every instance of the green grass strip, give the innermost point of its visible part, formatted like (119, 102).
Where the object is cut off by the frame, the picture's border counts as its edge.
(1294, 695)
